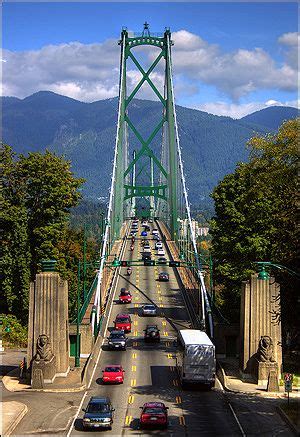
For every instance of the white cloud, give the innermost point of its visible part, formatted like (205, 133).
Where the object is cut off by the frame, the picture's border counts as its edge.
(234, 73)
(90, 72)
(235, 110)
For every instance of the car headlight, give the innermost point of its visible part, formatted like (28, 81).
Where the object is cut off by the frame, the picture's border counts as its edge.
(123, 343)
(86, 419)
(107, 419)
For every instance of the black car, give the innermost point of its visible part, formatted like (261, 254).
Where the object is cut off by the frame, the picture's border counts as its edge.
(98, 413)
(117, 340)
(163, 276)
(152, 334)
(146, 255)
(162, 260)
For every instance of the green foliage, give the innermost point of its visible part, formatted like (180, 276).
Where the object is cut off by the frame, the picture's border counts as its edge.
(211, 145)
(14, 333)
(38, 192)
(255, 216)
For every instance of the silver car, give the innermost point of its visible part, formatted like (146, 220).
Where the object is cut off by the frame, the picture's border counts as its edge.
(149, 310)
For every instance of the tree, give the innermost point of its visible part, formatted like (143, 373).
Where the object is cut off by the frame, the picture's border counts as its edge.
(51, 190)
(255, 217)
(37, 194)
(16, 257)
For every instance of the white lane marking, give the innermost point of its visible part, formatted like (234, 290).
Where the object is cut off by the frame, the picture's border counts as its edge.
(96, 365)
(237, 420)
(76, 415)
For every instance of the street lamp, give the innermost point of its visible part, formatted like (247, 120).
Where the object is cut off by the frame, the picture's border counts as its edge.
(116, 262)
(264, 275)
(77, 356)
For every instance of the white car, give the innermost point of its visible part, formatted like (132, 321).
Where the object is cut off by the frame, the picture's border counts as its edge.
(161, 252)
(147, 250)
(149, 310)
(155, 232)
(158, 245)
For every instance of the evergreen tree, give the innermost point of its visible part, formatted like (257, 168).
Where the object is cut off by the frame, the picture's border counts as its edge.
(255, 217)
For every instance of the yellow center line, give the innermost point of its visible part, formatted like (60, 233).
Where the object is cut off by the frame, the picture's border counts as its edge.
(134, 344)
(178, 400)
(170, 356)
(135, 323)
(134, 355)
(166, 333)
(136, 305)
(175, 382)
(182, 420)
(135, 333)
(133, 382)
(160, 298)
(130, 399)
(128, 420)
(161, 305)
(133, 368)
(164, 323)
(167, 343)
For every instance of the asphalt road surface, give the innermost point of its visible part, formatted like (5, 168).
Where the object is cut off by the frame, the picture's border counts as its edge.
(150, 375)
(150, 372)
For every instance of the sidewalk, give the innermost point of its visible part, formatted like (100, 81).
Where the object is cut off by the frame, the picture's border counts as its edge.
(231, 379)
(12, 413)
(72, 383)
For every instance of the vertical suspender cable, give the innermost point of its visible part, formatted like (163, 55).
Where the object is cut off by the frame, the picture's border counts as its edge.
(97, 302)
(204, 298)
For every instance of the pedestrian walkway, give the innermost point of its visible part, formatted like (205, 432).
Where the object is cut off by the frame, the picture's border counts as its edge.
(71, 383)
(12, 413)
(233, 380)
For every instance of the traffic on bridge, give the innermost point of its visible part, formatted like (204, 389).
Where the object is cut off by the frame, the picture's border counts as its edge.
(138, 359)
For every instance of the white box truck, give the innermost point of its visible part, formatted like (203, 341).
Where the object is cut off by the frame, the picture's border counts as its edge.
(196, 358)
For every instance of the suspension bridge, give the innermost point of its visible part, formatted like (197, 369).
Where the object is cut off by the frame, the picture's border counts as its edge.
(147, 182)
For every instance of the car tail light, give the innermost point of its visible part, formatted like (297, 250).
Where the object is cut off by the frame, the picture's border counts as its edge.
(145, 416)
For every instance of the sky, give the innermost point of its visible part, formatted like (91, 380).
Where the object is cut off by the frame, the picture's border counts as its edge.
(228, 58)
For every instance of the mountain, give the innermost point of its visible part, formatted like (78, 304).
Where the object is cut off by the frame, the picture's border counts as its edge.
(85, 134)
(271, 117)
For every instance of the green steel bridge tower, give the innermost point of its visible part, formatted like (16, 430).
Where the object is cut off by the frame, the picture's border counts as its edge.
(142, 173)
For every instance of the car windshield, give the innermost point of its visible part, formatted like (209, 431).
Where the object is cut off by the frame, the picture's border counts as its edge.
(117, 335)
(97, 407)
(122, 320)
(149, 307)
(152, 328)
(153, 410)
(125, 293)
(112, 369)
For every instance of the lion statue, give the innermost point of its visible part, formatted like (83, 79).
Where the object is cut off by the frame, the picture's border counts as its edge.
(43, 348)
(265, 349)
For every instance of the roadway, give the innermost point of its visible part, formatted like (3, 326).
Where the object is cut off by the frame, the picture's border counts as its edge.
(150, 372)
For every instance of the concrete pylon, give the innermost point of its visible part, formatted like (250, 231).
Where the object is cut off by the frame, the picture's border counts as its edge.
(48, 314)
(260, 316)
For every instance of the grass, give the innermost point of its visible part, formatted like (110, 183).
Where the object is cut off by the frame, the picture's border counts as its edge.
(296, 380)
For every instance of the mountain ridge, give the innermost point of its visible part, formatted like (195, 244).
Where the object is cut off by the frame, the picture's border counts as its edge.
(84, 133)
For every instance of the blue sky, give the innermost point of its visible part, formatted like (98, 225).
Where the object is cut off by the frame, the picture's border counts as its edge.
(249, 50)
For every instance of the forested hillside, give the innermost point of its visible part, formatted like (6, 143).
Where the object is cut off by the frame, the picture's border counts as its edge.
(85, 134)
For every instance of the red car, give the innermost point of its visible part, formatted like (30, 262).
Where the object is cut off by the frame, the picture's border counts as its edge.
(154, 414)
(113, 374)
(123, 322)
(125, 296)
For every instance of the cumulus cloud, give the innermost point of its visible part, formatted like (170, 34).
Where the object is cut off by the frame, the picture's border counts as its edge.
(236, 73)
(236, 110)
(90, 72)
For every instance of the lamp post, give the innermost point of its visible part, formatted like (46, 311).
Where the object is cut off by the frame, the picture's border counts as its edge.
(77, 356)
(264, 275)
(84, 262)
